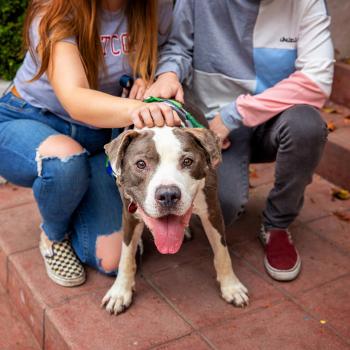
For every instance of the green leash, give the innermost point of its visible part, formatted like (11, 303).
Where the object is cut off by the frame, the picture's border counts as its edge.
(187, 118)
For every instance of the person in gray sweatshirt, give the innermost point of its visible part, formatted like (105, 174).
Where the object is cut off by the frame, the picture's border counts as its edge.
(259, 71)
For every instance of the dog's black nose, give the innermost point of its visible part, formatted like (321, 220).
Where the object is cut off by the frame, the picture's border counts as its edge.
(168, 196)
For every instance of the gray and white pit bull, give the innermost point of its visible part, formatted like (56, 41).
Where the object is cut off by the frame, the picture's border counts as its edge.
(164, 176)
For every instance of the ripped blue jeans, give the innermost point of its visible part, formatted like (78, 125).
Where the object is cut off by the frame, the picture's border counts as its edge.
(75, 195)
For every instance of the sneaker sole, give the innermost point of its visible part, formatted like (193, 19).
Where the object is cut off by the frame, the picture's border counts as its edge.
(283, 275)
(62, 281)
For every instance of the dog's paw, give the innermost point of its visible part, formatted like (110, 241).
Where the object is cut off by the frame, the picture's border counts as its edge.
(117, 300)
(235, 293)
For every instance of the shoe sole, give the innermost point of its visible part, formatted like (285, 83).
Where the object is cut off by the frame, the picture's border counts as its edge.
(59, 280)
(283, 275)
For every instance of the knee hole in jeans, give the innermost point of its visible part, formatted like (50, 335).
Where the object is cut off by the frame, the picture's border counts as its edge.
(57, 146)
(108, 251)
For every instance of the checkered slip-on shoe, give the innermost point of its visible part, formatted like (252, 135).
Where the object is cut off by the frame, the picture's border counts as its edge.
(62, 265)
(282, 260)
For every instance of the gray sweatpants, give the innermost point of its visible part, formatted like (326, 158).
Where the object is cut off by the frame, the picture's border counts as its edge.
(295, 139)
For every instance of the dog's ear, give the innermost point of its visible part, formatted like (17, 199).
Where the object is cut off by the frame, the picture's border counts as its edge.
(115, 150)
(209, 142)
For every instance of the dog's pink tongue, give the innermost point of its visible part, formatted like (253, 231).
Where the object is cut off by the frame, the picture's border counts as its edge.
(168, 232)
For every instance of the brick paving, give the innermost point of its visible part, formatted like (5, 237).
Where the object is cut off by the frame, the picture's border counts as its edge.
(177, 304)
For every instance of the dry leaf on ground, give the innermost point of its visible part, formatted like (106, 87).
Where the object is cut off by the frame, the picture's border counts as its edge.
(329, 110)
(340, 193)
(253, 174)
(331, 126)
(342, 215)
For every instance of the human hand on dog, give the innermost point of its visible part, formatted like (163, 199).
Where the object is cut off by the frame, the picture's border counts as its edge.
(219, 128)
(138, 89)
(155, 114)
(166, 86)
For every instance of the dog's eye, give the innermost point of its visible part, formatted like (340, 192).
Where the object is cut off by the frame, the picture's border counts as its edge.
(141, 164)
(187, 162)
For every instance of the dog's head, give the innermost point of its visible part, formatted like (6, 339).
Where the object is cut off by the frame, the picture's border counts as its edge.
(160, 171)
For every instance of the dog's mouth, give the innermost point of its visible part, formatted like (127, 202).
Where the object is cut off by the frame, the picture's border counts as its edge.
(168, 231)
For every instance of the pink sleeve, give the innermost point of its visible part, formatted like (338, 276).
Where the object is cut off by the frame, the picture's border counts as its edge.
(295, 90)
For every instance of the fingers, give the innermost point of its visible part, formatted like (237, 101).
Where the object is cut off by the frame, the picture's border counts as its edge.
(147, 118)
(133, 92)
(180, 95)
(137, 120)
(168, 114)
(177, 119)
(140, 93)
(155, 114)
(166, 86)
(138, 90)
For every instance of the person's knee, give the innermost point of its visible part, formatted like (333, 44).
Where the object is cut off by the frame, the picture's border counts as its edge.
(63, 157)
(304, 124)
(59, 146)
(108, 251)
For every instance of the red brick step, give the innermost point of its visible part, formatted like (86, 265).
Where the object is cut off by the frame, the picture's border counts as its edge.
(14, 332)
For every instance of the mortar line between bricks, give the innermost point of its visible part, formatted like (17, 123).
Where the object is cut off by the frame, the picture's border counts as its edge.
(56, 329)
(244, 315)
(294, 300)
(7, 273)
(330, 328)
(19, 315)
(69, 299)
(276, 302)
(322, 284)
(328, 241)
(199, 330)
(43, 329)
(325, 216)
(8, 264)
(16, 205)
(322, 217)
(177, 311)
(22, 251)
(155, 346)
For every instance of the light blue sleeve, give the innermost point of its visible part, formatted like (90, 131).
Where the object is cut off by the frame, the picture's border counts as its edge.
(231, 117)
(176, 55)
(165, 18)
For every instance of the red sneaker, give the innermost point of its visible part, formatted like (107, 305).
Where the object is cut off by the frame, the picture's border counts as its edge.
(282, 260)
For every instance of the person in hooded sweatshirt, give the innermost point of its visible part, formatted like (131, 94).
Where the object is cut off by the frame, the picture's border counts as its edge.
(259, 71)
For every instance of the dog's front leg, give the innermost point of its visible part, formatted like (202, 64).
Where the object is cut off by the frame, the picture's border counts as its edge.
(232, 290)
(119, 297)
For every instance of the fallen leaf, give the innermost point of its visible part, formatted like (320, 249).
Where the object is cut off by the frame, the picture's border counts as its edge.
(347, 60)
(331, 126)
(342, 216)
(340, 193)
(329, 110)
(253, 173)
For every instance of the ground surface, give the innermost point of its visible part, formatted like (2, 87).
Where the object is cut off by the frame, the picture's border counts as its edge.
(177, 304)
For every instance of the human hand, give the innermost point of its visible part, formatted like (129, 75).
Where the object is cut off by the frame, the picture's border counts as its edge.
(220, 129)
(166, 86)
(138, 89)
(155, 114)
